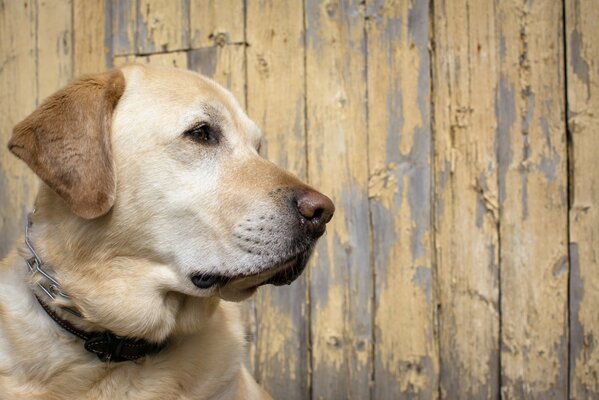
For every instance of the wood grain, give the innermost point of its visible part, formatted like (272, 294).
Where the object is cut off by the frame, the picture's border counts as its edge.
(162, 26)
(399, 145)
(54, 45)
(123, 27)
(277, 55)
(533, 200)
(466, 198)
(18, 97)
(177, 59)
(91, 52)
(582, 63)
(341, 274)
(216, 23)
(458, 264)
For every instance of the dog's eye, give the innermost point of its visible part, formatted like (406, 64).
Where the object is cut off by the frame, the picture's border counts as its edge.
(203, 133)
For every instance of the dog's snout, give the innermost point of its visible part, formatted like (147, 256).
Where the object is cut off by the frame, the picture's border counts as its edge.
(316, 208)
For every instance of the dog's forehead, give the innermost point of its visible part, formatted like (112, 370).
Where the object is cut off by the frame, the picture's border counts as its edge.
(184, 88)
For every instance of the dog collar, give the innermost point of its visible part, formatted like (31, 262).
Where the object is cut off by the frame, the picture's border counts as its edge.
(106, 345)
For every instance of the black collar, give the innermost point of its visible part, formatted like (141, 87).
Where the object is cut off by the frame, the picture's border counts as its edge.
(106, 345)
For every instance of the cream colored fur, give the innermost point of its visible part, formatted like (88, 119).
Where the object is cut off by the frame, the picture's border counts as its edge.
(177, 206)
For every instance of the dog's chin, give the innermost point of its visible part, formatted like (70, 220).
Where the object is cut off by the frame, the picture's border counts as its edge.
(283, 273)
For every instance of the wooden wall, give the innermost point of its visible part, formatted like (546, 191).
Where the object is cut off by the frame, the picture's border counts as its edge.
(459, 140)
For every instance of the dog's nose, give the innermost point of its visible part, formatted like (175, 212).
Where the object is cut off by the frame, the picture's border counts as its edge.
(315, 208)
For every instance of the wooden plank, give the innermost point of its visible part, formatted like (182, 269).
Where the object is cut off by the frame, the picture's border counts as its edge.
(123, 26)
(399, 140)
(466, 198)
(583, 125)
(533, 200)
(177, 59)
(276, 55)
(341, 277)
(225, 64)
(162, 25)
(18, 94)
(219, 22)
(91, 53)
(54, 45)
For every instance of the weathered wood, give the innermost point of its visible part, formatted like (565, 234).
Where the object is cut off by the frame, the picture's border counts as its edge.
(343, 94)
(531, 140)
(466, 197)
(341, 276)
(583, 125)
(123, 26)
(54, 45)
(162, 25)
(18, 95)
(218, 40)
(276, 55)
(177, 59)
(399, 140)
(216, 23)
(225, 64)
(91, 53)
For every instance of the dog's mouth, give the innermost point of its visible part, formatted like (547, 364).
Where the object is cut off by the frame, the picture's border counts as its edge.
(293, 268)
(281, 273)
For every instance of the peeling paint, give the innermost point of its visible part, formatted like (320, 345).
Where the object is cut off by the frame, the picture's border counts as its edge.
(549, 164)
(162, 25)
(423, 279)
(8, 224)
(523, 170)
(578, 63)
(313, 26)
(576, 299)
(204, 60)
(514, 56)
(419, 193)
(505, 112)
(396, 122)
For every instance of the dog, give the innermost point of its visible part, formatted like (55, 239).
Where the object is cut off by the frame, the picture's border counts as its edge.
(155, 215)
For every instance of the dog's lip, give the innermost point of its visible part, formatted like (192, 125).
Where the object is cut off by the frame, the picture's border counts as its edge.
(295, 267)
(261, 278)
(276, 274)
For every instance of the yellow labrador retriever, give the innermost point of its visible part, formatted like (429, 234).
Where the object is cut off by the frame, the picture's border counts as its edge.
(155, 206)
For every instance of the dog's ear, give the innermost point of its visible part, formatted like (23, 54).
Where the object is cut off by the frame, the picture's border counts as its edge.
(66, 142)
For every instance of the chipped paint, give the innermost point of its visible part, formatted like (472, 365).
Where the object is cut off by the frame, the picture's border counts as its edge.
(399, 189)
(341, 292)
(583, 101)
(505, 113)
(579, 64)
(533, 219)
(204, 60)
(466, 176)
(499, 163)
(89, 41)
(162, 25)
(423, 279)
(124, 26)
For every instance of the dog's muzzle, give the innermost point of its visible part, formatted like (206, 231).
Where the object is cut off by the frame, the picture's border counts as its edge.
(310, 211)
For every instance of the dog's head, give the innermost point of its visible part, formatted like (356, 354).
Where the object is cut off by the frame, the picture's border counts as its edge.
(163, 165)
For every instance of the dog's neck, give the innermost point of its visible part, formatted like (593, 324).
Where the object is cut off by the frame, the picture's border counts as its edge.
(81, 258)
